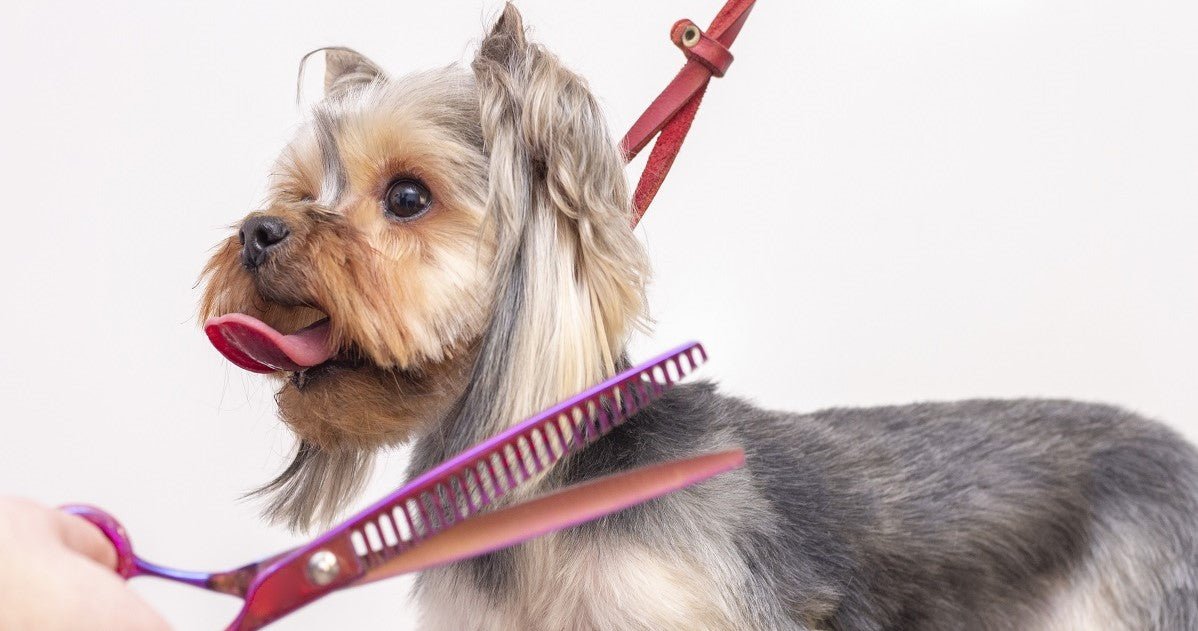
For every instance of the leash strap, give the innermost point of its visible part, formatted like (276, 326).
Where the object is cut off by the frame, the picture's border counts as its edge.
(670, 115)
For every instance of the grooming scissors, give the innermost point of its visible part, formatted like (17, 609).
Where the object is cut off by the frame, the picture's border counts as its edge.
(435, 519)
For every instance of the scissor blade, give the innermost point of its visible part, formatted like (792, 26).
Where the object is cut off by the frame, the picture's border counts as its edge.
(569, 507)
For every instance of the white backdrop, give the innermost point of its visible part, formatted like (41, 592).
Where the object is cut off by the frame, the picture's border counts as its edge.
(882, 202)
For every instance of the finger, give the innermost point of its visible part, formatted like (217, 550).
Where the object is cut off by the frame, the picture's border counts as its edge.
(83, 537)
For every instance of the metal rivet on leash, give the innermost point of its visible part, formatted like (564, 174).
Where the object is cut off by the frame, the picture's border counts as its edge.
(323, 567)
(690, 36)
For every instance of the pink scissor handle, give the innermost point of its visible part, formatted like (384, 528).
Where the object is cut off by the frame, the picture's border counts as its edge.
(125, 563)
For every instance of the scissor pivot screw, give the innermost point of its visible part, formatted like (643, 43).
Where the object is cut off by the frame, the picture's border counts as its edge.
(323, 567)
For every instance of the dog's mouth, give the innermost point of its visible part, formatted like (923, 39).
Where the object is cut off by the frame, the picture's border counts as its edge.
(252, 344)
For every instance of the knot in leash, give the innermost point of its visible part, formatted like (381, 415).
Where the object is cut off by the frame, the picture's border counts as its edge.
(701, 47)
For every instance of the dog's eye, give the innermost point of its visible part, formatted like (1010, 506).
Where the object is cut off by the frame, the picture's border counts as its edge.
(407, 198)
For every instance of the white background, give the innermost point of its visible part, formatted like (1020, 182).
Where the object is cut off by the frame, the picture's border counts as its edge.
(884, 201)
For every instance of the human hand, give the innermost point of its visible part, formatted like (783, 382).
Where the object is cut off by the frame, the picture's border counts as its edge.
(56, 574)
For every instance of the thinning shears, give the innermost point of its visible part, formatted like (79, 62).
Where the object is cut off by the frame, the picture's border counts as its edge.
(438, 517)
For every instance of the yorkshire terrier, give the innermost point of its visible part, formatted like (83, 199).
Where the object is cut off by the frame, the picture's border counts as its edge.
(451, 251)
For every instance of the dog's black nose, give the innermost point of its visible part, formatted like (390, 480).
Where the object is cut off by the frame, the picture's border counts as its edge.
(258, 235)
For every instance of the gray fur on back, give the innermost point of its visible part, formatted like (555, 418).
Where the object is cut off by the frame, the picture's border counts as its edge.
(965, 515)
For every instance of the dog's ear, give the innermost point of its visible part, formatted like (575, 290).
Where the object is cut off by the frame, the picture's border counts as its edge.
(345, 68)
(505, 45)
(566, 256)
(500, 69)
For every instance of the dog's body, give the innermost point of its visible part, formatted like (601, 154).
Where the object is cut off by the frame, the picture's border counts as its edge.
(458, 243)
(1020, 515)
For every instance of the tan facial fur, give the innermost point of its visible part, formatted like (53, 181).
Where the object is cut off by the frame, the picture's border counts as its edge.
(409, 296)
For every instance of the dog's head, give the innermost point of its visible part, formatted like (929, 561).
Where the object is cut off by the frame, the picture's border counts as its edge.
(451, 242)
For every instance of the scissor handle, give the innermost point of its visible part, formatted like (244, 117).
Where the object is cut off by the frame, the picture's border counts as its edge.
(126, 566)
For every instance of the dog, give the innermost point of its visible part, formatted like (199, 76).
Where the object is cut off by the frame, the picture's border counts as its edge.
(452, 248)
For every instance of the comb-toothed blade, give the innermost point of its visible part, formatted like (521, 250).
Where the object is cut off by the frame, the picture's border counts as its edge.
(462, 486)
(569, 507)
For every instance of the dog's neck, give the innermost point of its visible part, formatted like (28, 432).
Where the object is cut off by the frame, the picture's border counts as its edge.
(546, 341)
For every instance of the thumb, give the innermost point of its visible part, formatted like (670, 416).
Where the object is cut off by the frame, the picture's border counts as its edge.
(83, 537)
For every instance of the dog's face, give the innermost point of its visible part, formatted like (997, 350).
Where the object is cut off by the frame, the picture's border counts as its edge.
(375, 220)
(450, 244)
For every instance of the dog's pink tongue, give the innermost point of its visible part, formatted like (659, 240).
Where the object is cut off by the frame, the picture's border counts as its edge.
(253, 345)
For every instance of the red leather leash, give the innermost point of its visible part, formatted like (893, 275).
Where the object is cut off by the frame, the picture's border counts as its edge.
(670, 115)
